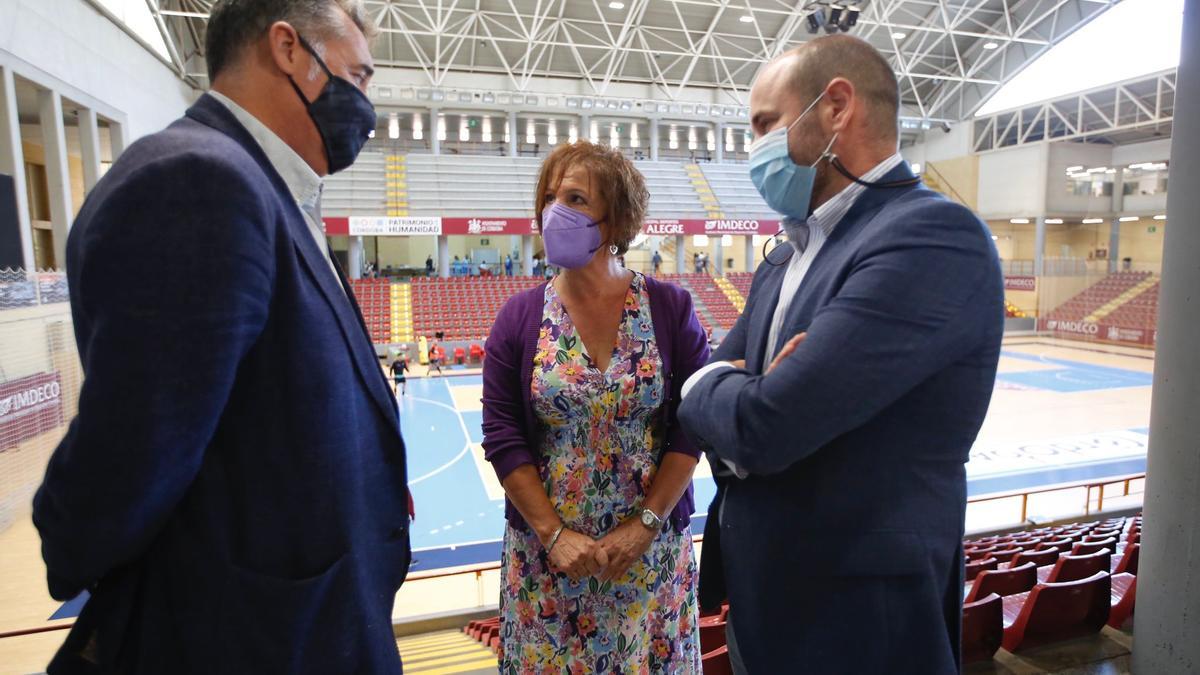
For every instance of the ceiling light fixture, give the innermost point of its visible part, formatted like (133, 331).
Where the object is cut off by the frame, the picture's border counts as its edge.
(616, 5)
(1128, 219)
(1019, 221)
(746, 18)
(899, 36)
(990, 45)
(1054, 221)
(1160, 217)
(1092, 221)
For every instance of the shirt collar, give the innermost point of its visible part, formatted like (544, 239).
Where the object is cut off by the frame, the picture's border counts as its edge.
(304, 183)
(828, 215)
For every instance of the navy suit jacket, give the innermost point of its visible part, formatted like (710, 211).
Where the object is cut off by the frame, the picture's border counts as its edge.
(842, 551)
(233, 490)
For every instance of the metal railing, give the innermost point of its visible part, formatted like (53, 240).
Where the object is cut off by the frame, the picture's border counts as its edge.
(478, 571)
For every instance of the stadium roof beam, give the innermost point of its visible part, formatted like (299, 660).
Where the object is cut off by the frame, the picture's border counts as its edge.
(945, 70)
(1131, 111)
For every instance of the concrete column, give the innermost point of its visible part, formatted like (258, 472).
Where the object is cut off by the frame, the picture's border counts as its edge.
(751, 250)
(118, 138)
(719, 146)
(527, 255)
(680, 255)
(1039, 246)
(12, 162)
(89, 148)
(514, 134)
(356, 257)
(435, 142)
(719, 259)
(1168, 606)
(1114, 243)
(443, 256)
(654, 140)
(585, 126)
(58, 176)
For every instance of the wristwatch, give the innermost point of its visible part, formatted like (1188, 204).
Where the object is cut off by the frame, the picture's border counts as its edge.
(651, 520)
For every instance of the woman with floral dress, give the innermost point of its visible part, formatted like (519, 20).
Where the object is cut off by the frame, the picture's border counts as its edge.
(581, 386)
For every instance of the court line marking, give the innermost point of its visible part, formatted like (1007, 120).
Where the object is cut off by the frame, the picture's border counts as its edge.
(461, 423)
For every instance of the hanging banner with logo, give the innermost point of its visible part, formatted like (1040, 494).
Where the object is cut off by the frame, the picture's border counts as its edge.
(712, 226)
(486, 226)
(359, 226)
(1098, 332)
(384, 227)
(29, 406)
(1020, 283)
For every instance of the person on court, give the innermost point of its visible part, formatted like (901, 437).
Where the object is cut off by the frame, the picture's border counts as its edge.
(840, 410)
(246, 516)
(399, 372)
(579, 393)
(436, 355)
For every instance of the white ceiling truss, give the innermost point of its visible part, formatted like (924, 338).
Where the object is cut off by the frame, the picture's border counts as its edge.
(1127, 112)
(674, 46)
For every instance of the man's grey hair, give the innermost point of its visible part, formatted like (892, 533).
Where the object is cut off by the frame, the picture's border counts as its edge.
(236, 24)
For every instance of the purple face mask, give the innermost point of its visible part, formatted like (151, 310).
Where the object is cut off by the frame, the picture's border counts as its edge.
(571, 237)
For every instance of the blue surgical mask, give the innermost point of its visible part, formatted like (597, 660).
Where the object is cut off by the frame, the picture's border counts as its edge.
(784, 185)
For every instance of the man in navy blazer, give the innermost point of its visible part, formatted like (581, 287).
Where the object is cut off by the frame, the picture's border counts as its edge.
(233, 490)
(840, 410)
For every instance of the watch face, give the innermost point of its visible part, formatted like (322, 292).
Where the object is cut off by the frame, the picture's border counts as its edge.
(648, 519)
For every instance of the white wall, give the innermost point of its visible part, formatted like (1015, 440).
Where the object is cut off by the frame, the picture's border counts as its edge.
(99, 64)
(938, 146)
(1150, 151)
(1012, 183)
(1063, 155)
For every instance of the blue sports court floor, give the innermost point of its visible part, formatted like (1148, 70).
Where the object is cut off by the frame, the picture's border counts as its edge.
(1060, 413)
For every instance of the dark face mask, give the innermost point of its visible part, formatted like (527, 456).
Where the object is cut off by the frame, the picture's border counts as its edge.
(344, 116)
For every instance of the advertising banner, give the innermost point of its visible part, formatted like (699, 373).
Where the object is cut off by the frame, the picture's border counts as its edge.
(29, 406)
(486, 226)
(382, 227)
(712, 226)
(1098, 332)
(1020, 283)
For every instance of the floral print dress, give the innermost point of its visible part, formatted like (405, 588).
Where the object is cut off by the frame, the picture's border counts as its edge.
(598, 458)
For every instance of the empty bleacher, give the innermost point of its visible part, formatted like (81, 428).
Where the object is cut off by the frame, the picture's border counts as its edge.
(469, 185)
(672, 194)
(464, 308)
(375, 299)
(713, 306)
(1096, 296)
(360, 190)
(735, 194)
(466, 185)
(1018, 608)
(1140, 312)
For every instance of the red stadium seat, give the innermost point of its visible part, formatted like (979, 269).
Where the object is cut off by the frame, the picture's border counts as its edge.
(712, 634)
(982, 628)
(716, 662)
(1003, 582)
(1057, 611)
(1039, 558)
(974, 567)
(1076, 567)
(1006, 554)
(1123, 597)
(1129, 560)
(1109, 544)
(1062, 545)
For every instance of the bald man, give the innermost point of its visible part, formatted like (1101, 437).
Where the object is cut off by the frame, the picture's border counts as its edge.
(840, 410)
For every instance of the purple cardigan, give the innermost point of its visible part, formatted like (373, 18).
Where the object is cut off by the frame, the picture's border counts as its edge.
(511, 432)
